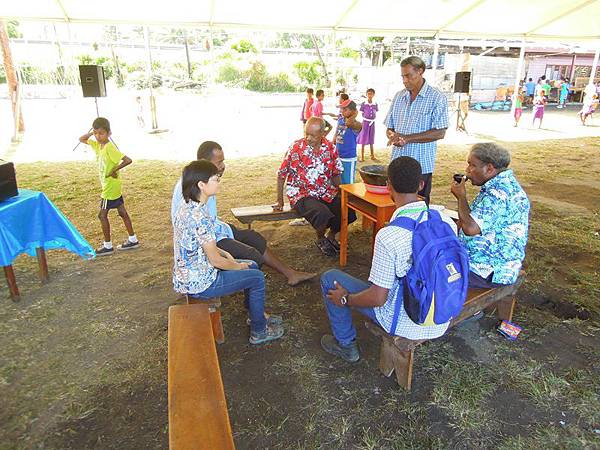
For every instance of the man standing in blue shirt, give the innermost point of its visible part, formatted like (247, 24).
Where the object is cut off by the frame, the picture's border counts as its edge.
(495, 226)
(417, 118)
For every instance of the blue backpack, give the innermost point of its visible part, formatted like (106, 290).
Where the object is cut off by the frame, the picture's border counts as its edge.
(435, 287)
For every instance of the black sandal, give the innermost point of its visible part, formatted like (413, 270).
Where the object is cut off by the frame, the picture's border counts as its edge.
(326, 247)
(335, 244)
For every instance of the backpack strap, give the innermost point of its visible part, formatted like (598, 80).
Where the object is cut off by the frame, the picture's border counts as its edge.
(397, 306)
(408, 224)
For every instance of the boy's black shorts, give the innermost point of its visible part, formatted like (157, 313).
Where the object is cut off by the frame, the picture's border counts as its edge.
(111, 204)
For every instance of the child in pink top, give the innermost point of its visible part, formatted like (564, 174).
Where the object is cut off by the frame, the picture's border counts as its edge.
(317, 110)
(307, 107)
(317, 107)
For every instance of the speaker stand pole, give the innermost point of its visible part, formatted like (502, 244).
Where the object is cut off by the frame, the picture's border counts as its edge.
(460, 119)
(96, 100)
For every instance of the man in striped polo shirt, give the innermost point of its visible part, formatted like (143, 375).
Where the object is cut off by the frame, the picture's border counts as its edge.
(418, 117)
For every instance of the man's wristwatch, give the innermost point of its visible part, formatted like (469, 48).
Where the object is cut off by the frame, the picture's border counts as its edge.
(344, 300)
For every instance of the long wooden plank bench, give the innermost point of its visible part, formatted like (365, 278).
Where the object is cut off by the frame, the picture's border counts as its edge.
(198, 417)
(265, 213)
(397, 353)
(214, 305)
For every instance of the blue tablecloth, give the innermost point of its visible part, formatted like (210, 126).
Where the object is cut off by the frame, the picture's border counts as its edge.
(30, 220)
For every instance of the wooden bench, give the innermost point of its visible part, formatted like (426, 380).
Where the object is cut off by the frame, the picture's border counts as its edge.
(265, 213)
(215, 315)
(397, 353)
(198, 417)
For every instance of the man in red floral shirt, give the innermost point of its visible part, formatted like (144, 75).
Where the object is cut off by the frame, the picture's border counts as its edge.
(312, 169)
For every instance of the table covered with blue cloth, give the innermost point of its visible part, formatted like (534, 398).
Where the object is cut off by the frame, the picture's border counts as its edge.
(30, 220)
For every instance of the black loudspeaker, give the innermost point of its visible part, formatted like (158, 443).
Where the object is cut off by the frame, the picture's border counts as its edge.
(462, 82)
(92, 81)
(8, 180)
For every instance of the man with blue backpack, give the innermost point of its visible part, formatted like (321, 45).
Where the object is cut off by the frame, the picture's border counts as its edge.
(418, 278)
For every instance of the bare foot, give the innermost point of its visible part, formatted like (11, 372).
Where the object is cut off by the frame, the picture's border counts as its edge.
(374, 159)
(298, 277)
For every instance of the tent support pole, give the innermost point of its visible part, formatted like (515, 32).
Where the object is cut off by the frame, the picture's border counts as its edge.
(518, 77)
(594, 66)
(149, 75)
(434, 59)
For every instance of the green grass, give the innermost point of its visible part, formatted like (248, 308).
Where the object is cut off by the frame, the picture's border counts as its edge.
(83, 358)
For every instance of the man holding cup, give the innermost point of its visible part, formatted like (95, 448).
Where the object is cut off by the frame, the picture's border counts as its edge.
(494, 227)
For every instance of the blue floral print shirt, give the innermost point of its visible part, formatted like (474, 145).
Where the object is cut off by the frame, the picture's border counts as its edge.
(192, 227)
(501, 209)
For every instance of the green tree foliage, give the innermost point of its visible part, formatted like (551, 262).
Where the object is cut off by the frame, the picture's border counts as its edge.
(372, 46)
(230, 75)
(310, 73)
(255, 79)
(296, 40)
(244, 46)
(12, 27)
(347, 52)
(260, 80)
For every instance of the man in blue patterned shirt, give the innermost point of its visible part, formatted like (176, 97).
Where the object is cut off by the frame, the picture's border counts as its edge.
(418, 117)
(494, 227)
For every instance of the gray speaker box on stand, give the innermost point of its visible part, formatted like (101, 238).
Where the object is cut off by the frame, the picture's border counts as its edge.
(92, 82)
(462, 85)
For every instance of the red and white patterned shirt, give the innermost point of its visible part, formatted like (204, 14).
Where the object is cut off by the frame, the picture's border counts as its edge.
(310, 172)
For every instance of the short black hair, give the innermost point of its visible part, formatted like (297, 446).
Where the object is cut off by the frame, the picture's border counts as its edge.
(309, 91)
(404, 174)
(193, 173)
(371, 90)
(414, 61)
(101, 123)
(530, 79)
(344, 96)
(351, 106)
(320, 92)
(206, 150)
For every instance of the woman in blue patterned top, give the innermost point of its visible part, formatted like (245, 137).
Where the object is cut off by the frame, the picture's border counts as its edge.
(204, 271)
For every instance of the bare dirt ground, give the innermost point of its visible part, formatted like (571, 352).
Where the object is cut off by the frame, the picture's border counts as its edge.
(83, 358)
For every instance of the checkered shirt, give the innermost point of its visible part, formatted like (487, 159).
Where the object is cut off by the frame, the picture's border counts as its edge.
(392, 259)
(428, 111)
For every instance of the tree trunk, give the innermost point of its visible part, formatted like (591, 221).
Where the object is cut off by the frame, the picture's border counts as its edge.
(314, 39)
(187, 54)
(11, 76)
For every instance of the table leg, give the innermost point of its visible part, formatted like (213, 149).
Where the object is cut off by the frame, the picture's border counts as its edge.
(366, 223)
(377, 226)
(12, 282)
(41, 257)
(344, 230)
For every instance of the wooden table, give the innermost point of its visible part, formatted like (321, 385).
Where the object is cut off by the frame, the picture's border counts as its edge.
(30, 223)
(378, 208)
(9, 273)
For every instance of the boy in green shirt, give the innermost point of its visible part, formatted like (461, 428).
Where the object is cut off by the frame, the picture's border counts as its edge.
(110, 162)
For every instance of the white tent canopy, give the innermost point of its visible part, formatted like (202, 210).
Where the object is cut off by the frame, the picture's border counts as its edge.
(532, 20)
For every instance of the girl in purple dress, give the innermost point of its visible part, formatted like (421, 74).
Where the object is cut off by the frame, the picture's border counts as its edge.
(367, 134)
